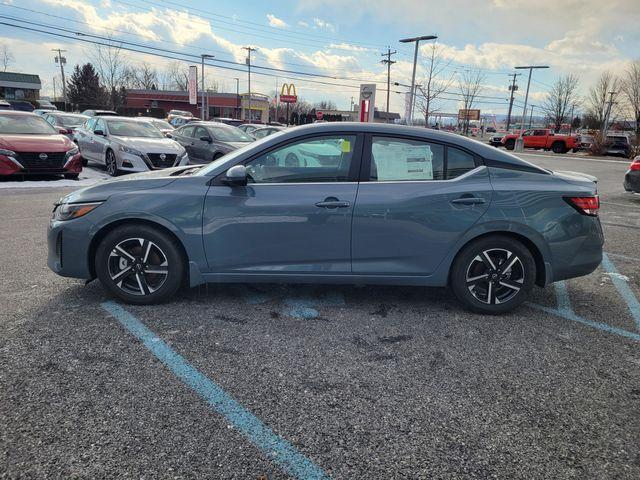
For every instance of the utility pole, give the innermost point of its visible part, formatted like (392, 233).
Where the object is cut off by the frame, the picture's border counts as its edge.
(248, 61)
(237, 97)
(607, 114)
(520, 140)
(571, 122)
(203, 56)
(531, 116)
(389, 62)
(62, 60)
(513, 87)
(415, 40)
(54, 88)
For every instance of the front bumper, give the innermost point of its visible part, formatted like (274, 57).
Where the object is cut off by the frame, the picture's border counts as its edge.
(632, 181)
(68, 248)
(11, 166)
(135, 163)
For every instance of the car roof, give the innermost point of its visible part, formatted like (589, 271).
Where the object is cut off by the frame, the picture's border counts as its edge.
(17, 112)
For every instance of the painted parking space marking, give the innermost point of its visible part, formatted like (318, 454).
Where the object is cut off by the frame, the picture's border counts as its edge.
(302, 302)
(623, 288)
(260, 435)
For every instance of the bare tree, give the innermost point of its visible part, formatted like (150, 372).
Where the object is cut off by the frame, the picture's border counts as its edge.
(470, 85)
(598, 98)
(177, 76)
(6, 57)
(557, 104)
(143, 76)
(112, 66)
(630, 88)
(433, 85)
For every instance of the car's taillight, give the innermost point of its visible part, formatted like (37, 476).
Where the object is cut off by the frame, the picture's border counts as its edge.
(585, 205)
(635, 165)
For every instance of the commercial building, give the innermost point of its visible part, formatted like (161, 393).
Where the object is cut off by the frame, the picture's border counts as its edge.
(19, 86)
(228, 105)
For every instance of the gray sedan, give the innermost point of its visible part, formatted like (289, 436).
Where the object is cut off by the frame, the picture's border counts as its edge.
(127, 145)
(370, 204)
(208, 141)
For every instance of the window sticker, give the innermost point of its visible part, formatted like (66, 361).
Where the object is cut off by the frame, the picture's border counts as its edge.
(401, 161)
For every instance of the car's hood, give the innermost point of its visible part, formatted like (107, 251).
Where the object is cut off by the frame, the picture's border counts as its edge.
(575, 176)
(150, 145)
(137, 181)
(35, 143)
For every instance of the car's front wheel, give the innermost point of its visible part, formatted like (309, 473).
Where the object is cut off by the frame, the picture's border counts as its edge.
(493, 274)
(111, 163)
(140, 264)
(510, 144)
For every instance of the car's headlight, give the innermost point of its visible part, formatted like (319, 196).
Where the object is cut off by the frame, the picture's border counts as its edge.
(72, 152)
(68, 211)
(130, 150)
(7, 153)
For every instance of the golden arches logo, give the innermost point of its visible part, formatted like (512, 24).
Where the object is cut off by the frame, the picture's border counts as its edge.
(288, 88)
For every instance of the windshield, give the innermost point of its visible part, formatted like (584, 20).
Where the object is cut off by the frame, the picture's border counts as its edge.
(162, 124)
(124, 128)
(230, 134)
(72, 120)
(25, 124)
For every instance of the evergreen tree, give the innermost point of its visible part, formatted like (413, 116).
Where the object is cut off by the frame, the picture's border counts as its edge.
(84, 89)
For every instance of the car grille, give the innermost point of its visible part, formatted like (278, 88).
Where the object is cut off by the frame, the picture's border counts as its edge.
(158, 162)
(52, 163)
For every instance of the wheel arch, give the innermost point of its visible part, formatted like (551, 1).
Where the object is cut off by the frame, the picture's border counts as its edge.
(104, 230)
(542, 268)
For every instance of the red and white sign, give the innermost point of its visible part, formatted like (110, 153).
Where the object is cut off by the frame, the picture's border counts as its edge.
(319, 115)
(285, 93)
(193, 85)
(367, 101)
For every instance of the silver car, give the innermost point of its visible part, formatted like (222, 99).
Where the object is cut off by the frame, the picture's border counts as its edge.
(128, 145)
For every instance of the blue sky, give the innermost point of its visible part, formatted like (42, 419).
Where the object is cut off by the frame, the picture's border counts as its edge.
(343, 40)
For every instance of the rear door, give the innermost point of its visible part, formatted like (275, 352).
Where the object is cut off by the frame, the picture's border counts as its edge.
(202, 149)
(184, 136)
(415, 200)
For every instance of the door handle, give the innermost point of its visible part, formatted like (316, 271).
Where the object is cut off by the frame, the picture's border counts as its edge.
(333, 204)
(468, 201)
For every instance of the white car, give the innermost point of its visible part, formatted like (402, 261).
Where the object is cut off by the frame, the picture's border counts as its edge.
(128, 145)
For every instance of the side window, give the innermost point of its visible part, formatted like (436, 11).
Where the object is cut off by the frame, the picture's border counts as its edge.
(50, 119)
(458, 162)
(89, 124)
(258, 134)
(539, 133)
(399, 159)
(186, 131)
(100, 125)
(200, 132)
(318, 159)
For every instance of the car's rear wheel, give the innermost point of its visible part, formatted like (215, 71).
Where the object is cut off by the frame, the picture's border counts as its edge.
(558, 147)
(140, 264)
(510, 144)
(111, 163)
(493, 274)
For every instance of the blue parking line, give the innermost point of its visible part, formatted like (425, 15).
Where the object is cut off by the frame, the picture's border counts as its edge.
(562, 297)
(274, 447)
(623, 288)
(569, 315)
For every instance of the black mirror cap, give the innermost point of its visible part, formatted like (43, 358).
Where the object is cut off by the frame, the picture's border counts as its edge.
(99, 132)
(206, 139)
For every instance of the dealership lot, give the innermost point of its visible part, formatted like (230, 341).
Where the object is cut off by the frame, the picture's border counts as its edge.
(262, 381)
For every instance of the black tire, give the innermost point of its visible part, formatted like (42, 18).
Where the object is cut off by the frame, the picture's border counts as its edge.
(507, 289)
(110, 163)
(559, 147)
(71, 176)
(575, 150)
(144, 273)
(510, 144)
(85, 162)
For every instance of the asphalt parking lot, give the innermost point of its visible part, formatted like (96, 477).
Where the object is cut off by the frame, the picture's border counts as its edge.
(270, 381)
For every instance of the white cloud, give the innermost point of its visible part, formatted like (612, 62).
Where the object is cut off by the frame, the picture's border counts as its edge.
(349, 47)
(323, 24)
(302, 23)
(275, 21)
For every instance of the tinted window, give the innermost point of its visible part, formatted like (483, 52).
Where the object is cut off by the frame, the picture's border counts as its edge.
(458, 162)
(320, 159)
(100, 125)
(539, 133)
(398, 159)
(201, 132)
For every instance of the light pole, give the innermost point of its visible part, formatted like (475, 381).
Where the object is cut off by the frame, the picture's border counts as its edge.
(62, 60)
(237, 97)
(415, 40)
(520, 140)
(203, 56)
(249, 50)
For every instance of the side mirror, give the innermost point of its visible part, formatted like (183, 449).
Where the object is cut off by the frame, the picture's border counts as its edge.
(206, 139)
(168, 135)
(63, 131)
(236, 175)
(98, 132)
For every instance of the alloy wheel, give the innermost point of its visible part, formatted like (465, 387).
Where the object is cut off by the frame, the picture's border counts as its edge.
(495, 276)
(137, 266)
(112, 166)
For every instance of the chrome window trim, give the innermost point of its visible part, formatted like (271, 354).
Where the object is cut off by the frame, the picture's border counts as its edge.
(478, 169)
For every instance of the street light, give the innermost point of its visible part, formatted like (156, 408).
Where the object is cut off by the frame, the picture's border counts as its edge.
(415, 40)
(203, 56)
(520, 140)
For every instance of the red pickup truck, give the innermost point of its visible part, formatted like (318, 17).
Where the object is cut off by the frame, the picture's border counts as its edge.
(541, 139)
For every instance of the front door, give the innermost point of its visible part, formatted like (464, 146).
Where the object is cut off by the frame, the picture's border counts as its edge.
(417, 198)
(294, 215)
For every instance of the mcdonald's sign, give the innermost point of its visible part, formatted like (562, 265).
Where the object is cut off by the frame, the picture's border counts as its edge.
(285, 93)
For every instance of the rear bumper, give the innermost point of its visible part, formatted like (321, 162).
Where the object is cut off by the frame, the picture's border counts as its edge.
(581, 254)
